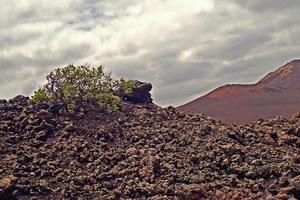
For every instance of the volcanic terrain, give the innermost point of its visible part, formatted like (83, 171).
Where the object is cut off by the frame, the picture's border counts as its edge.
(143, 151)
(277, 94)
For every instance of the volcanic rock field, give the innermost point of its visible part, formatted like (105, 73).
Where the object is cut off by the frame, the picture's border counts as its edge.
(143, 152)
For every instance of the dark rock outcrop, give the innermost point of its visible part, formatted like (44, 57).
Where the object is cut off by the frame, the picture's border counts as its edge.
(140, 93)
(57, 106)
(20, 99)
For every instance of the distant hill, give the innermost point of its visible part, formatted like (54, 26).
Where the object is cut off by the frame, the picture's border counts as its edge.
(277, 94)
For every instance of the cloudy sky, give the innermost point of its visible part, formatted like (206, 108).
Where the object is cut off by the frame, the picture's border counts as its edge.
(184, 48)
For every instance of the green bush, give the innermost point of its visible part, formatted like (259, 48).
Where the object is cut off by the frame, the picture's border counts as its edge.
(79, 86)
(39, 95)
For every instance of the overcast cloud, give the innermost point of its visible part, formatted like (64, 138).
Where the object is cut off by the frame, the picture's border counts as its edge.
(184, 48)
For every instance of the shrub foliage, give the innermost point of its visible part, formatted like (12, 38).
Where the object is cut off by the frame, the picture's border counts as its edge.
(79, 86)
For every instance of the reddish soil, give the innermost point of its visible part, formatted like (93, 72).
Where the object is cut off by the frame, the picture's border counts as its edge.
(277, 94)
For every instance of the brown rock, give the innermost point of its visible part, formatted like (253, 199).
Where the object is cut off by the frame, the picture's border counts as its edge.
(43, 183)
(82, 158)
(7, 181)
(41, 135)
(132, 151)
(87, 188)
(168, 166)
(295, 182)
(43, 114)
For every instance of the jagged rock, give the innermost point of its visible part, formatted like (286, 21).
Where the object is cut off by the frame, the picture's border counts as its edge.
(44, 183)
(144, 151)
(295, 182)
(43, 114)
(7, 187)
(20, 99)
(140, 93)
(82, 158)
(7, 181)
(132, 151)
(3, 101)
(56, 107)
(41, 135)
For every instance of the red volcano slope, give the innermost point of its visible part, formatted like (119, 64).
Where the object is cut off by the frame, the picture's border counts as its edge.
(277, 94)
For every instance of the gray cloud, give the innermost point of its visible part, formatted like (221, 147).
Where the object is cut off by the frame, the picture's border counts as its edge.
(268, 5)
(234, 47)
(185, 49)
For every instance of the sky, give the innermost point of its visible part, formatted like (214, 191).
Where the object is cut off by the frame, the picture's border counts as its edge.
(184, 48)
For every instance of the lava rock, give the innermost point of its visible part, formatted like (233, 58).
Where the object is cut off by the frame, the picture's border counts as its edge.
(20, 100)
(140, 93)
(57, 106)
(143, 152)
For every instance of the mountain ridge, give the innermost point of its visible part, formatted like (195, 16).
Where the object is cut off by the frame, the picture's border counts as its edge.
(275, 88)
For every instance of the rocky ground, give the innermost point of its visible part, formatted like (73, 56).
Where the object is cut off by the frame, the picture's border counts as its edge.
(143, 152)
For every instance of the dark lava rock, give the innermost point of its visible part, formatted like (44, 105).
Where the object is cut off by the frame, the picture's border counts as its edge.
(3, 101)
(20, 99)
(140, 93)
(42, 135)
(143, 152)
(57, 106)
